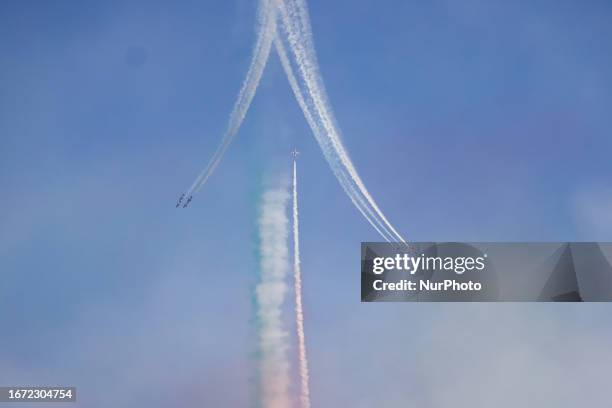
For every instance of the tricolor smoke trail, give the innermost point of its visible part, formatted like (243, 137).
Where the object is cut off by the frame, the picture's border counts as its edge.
(299, 311)
(274, 379)
(309, 90)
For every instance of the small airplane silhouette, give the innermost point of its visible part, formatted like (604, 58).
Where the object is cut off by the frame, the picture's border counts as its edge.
(295, 153)
(188, 201)
(180, 200)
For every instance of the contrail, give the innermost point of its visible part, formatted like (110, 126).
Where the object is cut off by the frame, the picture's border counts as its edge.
(304, 48)
(295, 21)
(261, 51)
(320, 136)
(269, 296)
(299, 311)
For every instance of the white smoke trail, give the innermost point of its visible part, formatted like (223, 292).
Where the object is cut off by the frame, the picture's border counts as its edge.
(320, 136)
(295, 20)
(269, 295)
(261, 51)
(297, 25)
(299, 311)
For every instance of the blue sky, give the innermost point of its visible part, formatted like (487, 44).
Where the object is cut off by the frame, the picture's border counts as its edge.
(468, 120)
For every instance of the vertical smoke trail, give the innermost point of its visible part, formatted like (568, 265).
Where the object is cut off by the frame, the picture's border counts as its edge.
(261, 51)
(299, 311)
(294, 16)
(269, 296)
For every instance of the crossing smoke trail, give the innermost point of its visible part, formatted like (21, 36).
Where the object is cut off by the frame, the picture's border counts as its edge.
(269, 297)
(261, 51)
(309, 90)
(299, 311)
